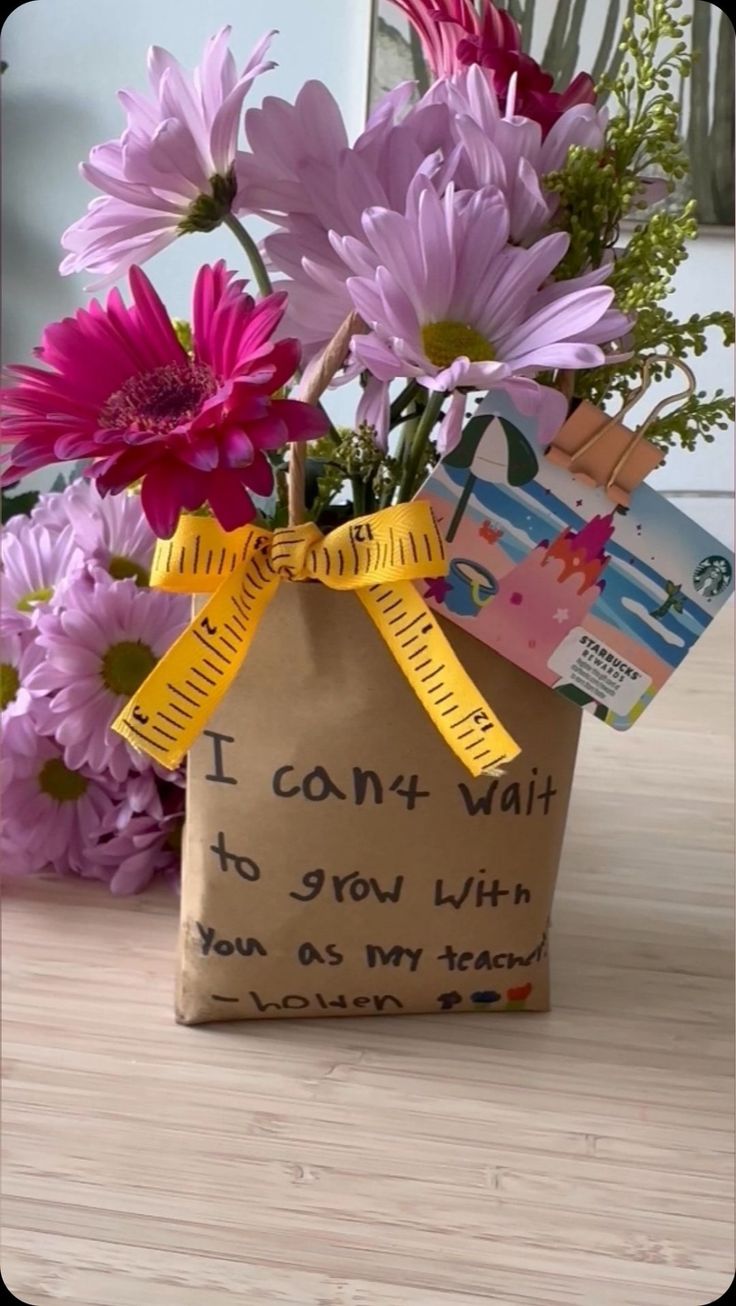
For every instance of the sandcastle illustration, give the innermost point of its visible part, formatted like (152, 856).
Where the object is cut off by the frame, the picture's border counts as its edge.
(531, 616)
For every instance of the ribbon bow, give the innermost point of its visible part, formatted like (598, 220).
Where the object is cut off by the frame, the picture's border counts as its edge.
(377, 556)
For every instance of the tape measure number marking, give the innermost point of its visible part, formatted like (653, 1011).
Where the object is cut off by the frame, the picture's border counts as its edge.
(244, 572)
(403, 620)
(201, 664)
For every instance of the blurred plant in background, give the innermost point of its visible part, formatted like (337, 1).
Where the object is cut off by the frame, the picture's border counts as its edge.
(666, 168)
(645, 157)
(706, 103)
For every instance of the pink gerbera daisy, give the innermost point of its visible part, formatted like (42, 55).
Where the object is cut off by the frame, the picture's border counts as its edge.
(97, 652)
(119, 388)
(455, 34)
(51, 812)
(174, 168)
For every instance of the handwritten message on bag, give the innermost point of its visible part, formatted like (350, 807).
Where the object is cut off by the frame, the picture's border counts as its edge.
(334, 866)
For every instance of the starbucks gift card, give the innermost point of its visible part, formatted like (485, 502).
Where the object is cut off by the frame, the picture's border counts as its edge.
(599, 601)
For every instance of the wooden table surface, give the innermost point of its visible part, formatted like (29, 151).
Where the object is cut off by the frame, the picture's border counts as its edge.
(580, 1157)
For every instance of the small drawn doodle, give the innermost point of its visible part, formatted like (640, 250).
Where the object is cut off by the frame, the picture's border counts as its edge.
(449, 1000)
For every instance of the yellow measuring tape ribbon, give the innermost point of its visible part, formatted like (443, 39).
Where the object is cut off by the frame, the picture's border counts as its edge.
(377, 556)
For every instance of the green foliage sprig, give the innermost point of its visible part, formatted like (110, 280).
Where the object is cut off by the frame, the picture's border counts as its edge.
(348, 455)
(597, 192)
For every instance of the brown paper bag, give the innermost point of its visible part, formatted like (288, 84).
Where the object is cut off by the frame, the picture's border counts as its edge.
(339, 860)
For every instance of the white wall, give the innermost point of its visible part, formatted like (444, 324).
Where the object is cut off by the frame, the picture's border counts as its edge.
(67, 58)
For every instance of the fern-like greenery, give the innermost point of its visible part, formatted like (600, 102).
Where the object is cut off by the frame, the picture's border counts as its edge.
(597, 193)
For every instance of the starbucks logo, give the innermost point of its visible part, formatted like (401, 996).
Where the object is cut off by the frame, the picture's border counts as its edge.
(712, 575)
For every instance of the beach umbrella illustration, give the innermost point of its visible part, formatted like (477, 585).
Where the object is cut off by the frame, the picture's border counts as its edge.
(494, 451)
(673, 603)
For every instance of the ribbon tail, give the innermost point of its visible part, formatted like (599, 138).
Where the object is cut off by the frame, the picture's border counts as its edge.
(172, 707)
(461, 715)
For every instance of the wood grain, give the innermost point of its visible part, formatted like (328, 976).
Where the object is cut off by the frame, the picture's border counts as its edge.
(561, 1160)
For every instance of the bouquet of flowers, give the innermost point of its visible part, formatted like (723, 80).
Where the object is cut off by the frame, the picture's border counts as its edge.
(466, 244)
(79, 631)
(471, 236)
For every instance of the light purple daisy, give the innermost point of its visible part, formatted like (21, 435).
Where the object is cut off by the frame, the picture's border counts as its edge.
(132, 853)
(173, 170)
(450, 303)
(19, 654)
(140, 797)
(52, 812)
(505, 149)
(112, 532)
(98, 650)
(302, 174)
(131, 858)
(37, 565)
(49, 511)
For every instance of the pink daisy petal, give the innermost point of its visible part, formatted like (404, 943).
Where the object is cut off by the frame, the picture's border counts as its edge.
(258, 477)
(175, 142)
(230, 502)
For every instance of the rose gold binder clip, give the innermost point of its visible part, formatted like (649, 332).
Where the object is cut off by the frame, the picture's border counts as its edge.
(610, 455)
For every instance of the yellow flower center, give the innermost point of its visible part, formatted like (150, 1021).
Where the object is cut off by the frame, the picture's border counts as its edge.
(60, 783)
(126, 665)
(443, 342)
(26, 604)
(126, 569)
(9, 684)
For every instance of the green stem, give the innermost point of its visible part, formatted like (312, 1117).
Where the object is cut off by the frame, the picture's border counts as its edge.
(246, 241)
(387, 494)
(401, 403)
(407, 431)
(359, 500)
(417, 449)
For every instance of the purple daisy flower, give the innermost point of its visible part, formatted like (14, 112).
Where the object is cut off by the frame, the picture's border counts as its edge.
(52, 812)
(49, 511)
(131, 854)
(18, 726)
(449, 302)
(504, 149)
(97, 651)
(112, 532)
(37, 565)
(141, 796)
(173, 170)
(131, 858)
(302, 174)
